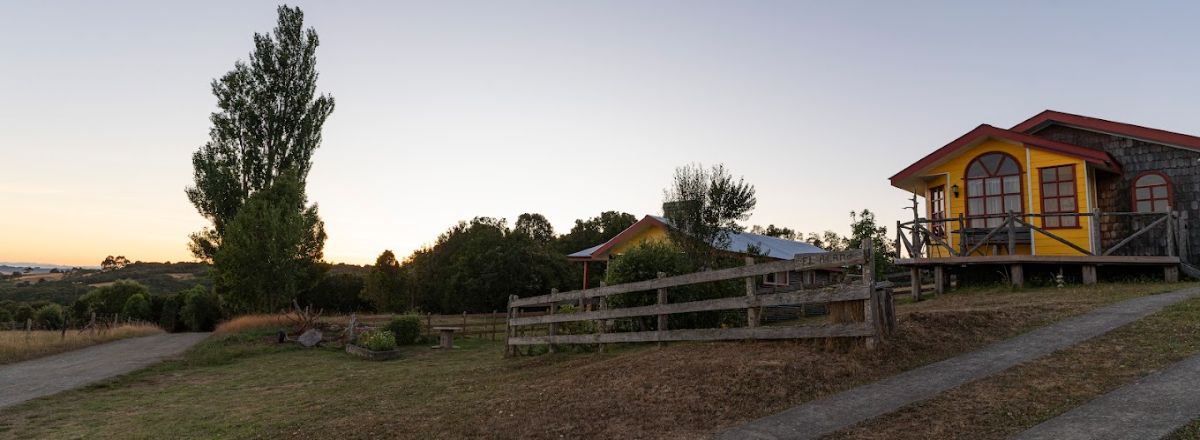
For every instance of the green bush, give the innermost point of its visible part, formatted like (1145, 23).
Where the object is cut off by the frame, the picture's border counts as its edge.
(406, 329)
(22, 313)
(201, 309)
(377, 341)
(137, 307)
(111, 299)
(49, 317)
(5, 316)
(168, 317)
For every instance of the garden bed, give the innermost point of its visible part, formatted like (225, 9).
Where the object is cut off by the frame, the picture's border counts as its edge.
(369, 354)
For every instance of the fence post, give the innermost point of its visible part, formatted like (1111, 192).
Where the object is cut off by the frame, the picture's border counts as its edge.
(509, 331)
(662, 318)
(1094, 229)
(494, 316)
(870, 304)
(1170, 233)
(962, 235)
(751, 291)
(602, 324)
(28, 329)
(1012, 237)
(464, 331)
(553, 325)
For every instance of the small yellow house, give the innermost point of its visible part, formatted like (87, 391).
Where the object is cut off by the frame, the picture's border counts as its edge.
(654, 228)
(974, 183)
(1057, 190)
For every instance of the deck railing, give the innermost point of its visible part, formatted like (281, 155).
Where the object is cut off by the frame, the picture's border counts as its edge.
(918, 239)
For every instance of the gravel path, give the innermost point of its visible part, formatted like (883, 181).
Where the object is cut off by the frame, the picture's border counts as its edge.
(52, 374)
(1150, 408)
(843, 410)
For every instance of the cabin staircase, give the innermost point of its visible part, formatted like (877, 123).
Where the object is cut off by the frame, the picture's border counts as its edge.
(1189, 270)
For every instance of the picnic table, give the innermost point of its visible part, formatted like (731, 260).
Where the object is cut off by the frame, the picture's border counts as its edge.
(446, 336)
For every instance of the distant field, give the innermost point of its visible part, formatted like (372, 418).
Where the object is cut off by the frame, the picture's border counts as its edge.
(34, 277)
(236, 385)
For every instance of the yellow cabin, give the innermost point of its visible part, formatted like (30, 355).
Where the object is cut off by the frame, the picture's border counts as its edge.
(1056, 191)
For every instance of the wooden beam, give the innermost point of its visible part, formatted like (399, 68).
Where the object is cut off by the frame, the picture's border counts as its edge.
(1055, 237)
(1041, 259)
(708, 334)
(1135, 235)
(939, 280)
(751, 304)
(1089, 274)
(802, 262)
(1017, 275)
(852, 292)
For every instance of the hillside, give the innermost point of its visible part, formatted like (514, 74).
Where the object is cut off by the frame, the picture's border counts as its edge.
(160, 278)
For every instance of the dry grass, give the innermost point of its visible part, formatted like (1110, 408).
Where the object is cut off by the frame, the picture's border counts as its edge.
(252, 322)
(18, 345)
(683, 390)
(1023, 396)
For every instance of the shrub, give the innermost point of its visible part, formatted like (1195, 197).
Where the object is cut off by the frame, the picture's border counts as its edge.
(49, 317)
(137, 307)
(168, 317)
(201, 309)
(377, 341)
(406, 329)
(5, 316)
(22, 313)
(111, 299)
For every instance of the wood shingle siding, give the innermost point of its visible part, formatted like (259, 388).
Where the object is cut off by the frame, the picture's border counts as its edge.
(1114, 192)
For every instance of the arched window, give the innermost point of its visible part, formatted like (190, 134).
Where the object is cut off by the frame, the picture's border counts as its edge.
(1152, 192)
(993, 189)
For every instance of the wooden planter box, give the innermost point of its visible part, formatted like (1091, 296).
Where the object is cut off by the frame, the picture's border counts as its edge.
(366, 353)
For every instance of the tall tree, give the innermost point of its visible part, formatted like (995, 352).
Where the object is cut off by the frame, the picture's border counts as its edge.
(864, 228)
(385, 284)
(775, 231)
(536, 227)
(271, 249)
(269, 123)
(705, 206)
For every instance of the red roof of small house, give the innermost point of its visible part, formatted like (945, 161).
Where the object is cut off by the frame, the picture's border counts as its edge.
(1049, 117)
(1100, 158)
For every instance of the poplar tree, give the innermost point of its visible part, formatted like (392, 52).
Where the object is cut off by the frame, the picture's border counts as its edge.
(268, 123)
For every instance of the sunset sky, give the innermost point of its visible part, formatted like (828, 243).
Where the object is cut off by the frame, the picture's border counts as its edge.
(449, 110)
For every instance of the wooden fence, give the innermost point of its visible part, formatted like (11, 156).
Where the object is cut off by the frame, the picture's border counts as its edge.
(475, 325)
(858, 310)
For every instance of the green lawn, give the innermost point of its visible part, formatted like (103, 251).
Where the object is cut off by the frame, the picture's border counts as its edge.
(241, 386)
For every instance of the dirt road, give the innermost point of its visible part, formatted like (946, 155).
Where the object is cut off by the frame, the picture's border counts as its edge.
(52, 374)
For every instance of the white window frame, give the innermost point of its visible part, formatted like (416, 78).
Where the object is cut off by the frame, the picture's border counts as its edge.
(775, 280)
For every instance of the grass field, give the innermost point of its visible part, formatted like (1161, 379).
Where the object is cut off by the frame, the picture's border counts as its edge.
(238, 386)
(18, 345)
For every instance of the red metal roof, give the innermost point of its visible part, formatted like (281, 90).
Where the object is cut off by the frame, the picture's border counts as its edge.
(1048, 117)
(983, 131)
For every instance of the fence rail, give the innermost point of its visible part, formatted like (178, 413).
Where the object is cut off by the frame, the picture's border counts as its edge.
(866, 309)
(918, 239)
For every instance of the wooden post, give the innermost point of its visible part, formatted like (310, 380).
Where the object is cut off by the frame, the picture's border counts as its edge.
(493, 333)
(601, 324)
(429, 323)
(1183, 245)
(914, 273)
(509, 349)
(464, 332)
(1094, 227)
(28, 328)
(1170, 233)
(350, 328)
(962, 235)
(939, 279)
(1089, 274)
(870, 305)
(916, 235)
(662, 319)
(1017, 272)
(1012, 236)
(1171, 273)
(898, 233)
(751, 288)
(554, 325)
